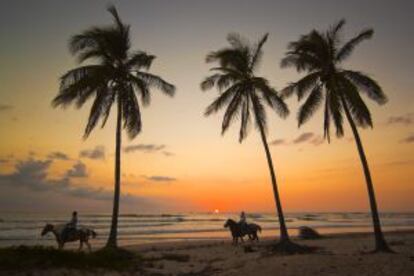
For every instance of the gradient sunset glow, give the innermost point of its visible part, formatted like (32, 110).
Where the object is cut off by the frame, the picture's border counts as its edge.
(180, 162)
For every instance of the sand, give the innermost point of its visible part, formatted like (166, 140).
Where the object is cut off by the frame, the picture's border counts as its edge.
(338, 254)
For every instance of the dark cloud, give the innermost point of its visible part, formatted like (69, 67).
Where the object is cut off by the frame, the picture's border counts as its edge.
(317, 140)
(408, 139)
(160, 178)
(58, 155)
(33, 175)
(98, 153)
(78, 170)
(277, 142)
(307, 137)
(304, 137)
(406, 119)
(148, 148)
(5, 107)
(167, 153)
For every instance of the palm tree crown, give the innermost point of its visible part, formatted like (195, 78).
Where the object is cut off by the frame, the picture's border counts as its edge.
(320, 55)
(240, 89)
(119, 74)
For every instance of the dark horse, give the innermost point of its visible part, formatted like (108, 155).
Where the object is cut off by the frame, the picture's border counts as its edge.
(82, 235)
(237, 231)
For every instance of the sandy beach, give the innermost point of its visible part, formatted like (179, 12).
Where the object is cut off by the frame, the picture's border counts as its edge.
(337, 254)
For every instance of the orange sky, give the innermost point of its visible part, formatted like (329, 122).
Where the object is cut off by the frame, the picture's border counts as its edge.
(185, 164)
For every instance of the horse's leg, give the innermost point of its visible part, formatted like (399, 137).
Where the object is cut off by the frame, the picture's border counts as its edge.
(80, 245)
(89, 246)
(241, 237)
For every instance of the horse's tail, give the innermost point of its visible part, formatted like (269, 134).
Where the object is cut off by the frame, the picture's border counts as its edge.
(259, 228)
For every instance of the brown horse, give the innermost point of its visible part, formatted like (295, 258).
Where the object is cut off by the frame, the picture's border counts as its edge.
(237, 231)
(83, 234)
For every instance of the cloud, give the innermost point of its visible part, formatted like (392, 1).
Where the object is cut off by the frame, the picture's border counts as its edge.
(78, 170)
(304, 137)
(406, 119)
(317, 140)
(58, 155)
(147, 148)
(98, 153)
(31, 187)
(33, 175)
(5, 107)
(277, 142)
(408, 139)
(167, 153)
(160, 178)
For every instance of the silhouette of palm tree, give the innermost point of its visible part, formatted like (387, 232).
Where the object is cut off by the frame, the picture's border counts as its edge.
(244, 94)
(118, 75)
(320, 55)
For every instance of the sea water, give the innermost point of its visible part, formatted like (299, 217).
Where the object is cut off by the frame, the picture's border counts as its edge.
(25, 229)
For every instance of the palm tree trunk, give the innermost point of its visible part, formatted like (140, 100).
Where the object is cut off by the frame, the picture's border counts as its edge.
(284, 236)
(112, 240)
(380, 243)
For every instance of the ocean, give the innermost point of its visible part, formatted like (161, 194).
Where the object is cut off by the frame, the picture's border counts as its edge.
(24, 229)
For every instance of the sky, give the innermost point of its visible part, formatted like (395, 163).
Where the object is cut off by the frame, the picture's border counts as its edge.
(181, 162)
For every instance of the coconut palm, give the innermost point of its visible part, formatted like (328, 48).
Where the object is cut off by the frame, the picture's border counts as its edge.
(243, 94)
(117, 75)
(320, 55)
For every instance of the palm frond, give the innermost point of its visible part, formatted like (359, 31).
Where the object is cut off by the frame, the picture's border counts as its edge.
(99, 109)
(302, 86)
(355, 104)
(257, 53)
(311, 104)
(223, 99)
(327, 119)
(156, 81)
(209, 82)
(131, 113)
(259, 112)
(270, 95)
(140, 60)
(245, 120)
(231, 111)
(141, 88)
(348, 47)
(335, 107)
(78, 85)
(367, 85)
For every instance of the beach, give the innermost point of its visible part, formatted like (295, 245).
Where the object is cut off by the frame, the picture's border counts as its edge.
(336, 254)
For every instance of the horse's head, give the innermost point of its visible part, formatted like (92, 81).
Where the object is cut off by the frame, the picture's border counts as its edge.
(48, 227)
(228, 223)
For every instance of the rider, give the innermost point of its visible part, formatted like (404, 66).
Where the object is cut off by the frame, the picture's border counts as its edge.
(70, 226)
(242, 222)
(74, 220)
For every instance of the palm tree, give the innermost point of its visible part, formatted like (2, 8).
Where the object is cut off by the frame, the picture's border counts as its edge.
(117, 76)
(320, 55)
(244, 94)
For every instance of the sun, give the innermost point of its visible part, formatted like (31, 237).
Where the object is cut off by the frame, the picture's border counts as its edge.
(216, 211)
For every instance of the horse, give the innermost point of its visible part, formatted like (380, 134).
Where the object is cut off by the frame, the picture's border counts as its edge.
(237, 231)
(82, 234)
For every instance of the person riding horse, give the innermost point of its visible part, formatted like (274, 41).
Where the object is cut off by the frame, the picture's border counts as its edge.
(70, 226)
(243, 223)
